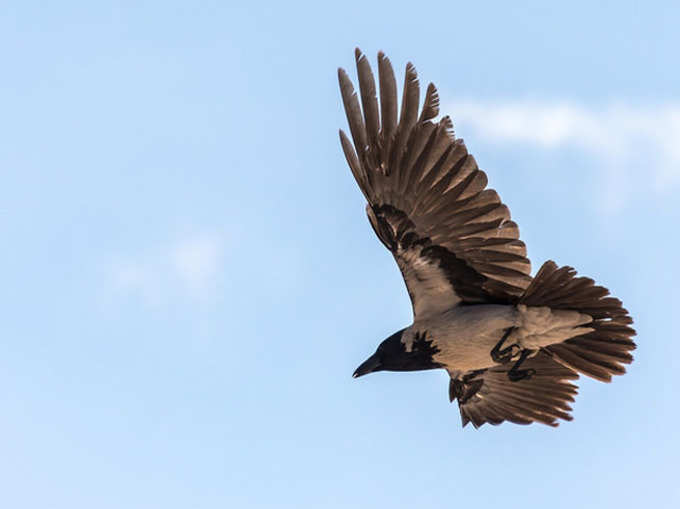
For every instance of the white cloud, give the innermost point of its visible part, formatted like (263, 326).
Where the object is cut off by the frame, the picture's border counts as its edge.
(188, 266)
(196, 261)
(626, 139)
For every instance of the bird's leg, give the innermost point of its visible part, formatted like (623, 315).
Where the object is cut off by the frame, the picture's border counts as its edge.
(504, 355)
(515, 374)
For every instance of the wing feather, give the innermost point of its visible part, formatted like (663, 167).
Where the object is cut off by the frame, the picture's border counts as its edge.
(427, 197)
(431, 105)
(388, 105)
(490, 397)
(353, 110)
(369, 101)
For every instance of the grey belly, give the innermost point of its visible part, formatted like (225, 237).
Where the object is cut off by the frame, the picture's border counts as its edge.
(466, 335)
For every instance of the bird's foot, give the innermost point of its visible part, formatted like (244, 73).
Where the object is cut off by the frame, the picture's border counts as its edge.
(502, 355)
(515, 374)
(506, 355)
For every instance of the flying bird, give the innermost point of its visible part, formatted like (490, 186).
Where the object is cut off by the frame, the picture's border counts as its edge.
(511, 343)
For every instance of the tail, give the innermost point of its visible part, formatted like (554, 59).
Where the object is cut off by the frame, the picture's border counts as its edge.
(600, 353)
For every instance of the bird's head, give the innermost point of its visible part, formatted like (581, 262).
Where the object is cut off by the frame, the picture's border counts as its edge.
(405, 350)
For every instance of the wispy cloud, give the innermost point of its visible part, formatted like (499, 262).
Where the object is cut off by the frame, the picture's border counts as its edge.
(196, 261)
(625, 138)
(189, 267)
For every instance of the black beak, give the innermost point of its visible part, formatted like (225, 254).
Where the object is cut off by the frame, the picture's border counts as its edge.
(368, 366)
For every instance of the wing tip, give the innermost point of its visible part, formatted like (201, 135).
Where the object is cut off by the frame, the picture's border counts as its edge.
(411, 71)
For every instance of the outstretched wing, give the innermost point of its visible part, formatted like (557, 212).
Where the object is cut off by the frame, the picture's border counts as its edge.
(489, 395)
(452, 239)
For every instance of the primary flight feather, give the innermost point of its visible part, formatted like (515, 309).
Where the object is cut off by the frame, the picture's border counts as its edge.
(510, 343)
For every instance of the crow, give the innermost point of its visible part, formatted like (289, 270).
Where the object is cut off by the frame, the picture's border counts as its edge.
(510, 342)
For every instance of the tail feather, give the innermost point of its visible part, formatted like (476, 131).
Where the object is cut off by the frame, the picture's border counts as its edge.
(600, 353)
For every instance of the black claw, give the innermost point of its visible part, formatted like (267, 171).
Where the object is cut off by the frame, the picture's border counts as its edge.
(500, 358)
(515, 374)
(504, 355)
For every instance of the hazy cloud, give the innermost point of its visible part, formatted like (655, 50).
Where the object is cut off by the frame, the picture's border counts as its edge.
(189, 266)
(625, 138)
(196, 261)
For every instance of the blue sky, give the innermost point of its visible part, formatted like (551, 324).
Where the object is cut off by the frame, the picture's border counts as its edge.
(189, 279)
